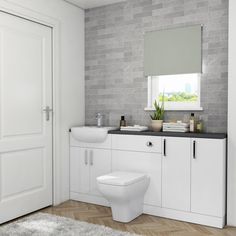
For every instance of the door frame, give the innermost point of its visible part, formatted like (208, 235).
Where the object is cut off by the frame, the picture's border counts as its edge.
(54, 24)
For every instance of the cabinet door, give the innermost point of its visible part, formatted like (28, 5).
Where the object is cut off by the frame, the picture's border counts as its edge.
(100, 164)
(208, 177)
(79, 170)
(176, 173)
(149, 163)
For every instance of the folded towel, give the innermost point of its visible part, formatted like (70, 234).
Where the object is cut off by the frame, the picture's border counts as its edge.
(182, 130)
(176, 125)
(134, 128)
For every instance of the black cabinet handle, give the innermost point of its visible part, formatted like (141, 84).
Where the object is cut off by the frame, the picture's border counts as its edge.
(194, 149)
(164, 147)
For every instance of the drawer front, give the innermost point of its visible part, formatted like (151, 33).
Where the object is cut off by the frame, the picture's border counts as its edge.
(138, 143)
(104, 145)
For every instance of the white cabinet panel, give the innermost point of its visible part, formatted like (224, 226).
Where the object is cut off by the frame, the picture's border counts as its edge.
(208, 177)
(138, 143)
(100, 164)
(176, 174)
(79, 170)
(149, 163)
(85, 166)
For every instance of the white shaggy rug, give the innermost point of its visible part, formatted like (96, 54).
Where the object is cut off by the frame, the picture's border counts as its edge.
(42, 224)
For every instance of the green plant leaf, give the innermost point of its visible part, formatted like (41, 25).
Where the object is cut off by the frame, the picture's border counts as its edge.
(159, 110)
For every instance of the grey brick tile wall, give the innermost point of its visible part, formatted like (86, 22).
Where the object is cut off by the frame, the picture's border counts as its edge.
(115, 82)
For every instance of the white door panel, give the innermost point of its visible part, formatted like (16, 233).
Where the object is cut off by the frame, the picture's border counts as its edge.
(26, 175)
(79, 170)
(100, 164)
(143, 162)
(25, 135)
(22, 82)
(208, 177)
(176, 174)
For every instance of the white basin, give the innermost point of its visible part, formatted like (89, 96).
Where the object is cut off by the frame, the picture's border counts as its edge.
(91, 134)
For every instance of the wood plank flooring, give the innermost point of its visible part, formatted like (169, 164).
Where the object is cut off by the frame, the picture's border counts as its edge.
(143, 225)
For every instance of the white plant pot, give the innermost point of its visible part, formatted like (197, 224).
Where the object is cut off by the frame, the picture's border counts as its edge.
(156, 125)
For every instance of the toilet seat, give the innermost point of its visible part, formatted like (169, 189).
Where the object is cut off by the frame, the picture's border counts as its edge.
(120, 178)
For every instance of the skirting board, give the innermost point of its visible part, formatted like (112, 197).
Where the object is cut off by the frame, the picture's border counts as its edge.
(89, 199)
(218, 222)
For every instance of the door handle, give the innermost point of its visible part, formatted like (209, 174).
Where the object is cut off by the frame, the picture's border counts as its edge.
(194, 149)
(47, 110)
(91, 157)
(164, 147)
(86, 157)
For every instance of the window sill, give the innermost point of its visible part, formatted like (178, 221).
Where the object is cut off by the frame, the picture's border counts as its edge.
(176, 109)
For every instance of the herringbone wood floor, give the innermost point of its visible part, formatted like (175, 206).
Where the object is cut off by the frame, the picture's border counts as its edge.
(144, 225)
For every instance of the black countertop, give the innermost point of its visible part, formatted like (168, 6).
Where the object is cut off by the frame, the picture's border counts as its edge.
(172, 134)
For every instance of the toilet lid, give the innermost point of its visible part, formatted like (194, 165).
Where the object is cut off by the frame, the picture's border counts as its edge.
(121, 178)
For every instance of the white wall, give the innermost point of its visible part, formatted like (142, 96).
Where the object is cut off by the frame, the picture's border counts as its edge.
(72, 71)
(232, 116)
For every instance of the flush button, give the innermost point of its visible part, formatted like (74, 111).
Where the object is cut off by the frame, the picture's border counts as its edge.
(149, 144)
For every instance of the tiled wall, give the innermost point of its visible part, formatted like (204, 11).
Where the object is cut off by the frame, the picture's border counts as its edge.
(115, 82)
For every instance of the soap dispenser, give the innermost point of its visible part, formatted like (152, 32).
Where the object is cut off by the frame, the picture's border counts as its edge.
(199, 125)
(192, 123)
(122, 121)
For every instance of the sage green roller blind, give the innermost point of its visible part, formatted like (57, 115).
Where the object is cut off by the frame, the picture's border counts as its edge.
(173, 51)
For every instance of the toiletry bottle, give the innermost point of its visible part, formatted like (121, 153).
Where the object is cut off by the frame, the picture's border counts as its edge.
(192, 123)
(122, 121)
(200, 125)
(99, 118)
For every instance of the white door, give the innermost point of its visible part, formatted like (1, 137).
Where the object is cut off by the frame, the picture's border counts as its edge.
(100, 164)
(208, 183)
(79, 170)
(25, 134)
(176, 173)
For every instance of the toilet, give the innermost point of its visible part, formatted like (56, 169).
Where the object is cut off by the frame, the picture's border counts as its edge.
(125, 192)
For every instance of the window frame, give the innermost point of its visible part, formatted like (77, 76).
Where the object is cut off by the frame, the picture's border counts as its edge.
(172, 106)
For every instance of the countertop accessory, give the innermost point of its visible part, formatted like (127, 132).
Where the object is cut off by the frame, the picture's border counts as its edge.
(134, 128)
(122, 121)
(192, 123)
(99, 118)
(176, 127)
(158, 116)
(200, 125)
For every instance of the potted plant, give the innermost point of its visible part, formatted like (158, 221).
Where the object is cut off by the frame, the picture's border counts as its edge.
(157, 117)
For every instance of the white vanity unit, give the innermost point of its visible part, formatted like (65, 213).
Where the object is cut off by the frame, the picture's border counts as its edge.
(187, 172)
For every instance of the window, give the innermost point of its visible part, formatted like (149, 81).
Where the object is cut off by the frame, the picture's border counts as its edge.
(179, 92)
